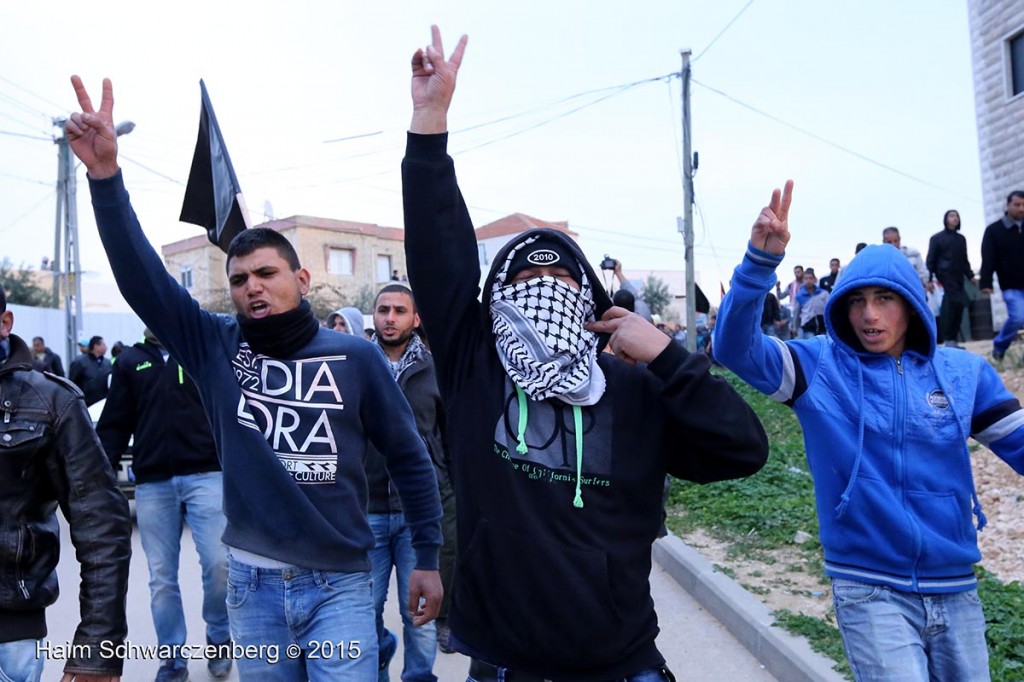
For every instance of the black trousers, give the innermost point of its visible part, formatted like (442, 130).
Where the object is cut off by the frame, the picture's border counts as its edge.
(952, 311)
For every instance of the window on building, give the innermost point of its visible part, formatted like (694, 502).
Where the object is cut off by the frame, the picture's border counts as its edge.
(340, 261)
(383, 268)
(186, 276)
(1016, 58)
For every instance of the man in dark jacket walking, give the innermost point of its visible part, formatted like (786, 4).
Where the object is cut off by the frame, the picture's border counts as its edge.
(1002, 252)
(44, 359)
(91, 370)
(178, 479)
(49, 456)
(947, 261)
(558, 450)
(395, 324)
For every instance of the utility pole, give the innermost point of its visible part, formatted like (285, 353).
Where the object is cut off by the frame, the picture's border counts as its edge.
(685, 224)
(66, 239)
(67, 218)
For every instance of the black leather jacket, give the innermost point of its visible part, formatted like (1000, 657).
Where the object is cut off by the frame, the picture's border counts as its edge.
(49, 455)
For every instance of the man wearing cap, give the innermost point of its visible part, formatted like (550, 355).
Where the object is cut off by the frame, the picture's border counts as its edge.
(49, 456)
(558, 451)
(178, 480)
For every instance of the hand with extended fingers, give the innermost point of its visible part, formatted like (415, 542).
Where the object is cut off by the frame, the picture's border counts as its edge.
(771, 229)
(91, 133)
(433, 84)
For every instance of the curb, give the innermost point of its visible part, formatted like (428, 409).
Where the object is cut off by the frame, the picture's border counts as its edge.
(785, 656)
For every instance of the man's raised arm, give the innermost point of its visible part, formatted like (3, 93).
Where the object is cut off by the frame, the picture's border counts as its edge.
(152, 293)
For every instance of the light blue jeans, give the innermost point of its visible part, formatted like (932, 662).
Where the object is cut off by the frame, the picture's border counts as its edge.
(161, 508)
(1014, 299)
(20, 661)
(393, 547)
(909, 637)
(295, 625)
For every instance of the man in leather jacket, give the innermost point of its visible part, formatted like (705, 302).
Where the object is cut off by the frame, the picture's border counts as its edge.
(49, 455)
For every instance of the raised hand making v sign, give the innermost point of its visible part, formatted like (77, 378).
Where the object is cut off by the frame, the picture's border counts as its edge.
(91, 133)
(433, 84)
(771, 229)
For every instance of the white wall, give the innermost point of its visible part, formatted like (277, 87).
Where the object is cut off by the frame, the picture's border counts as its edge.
(49, 324)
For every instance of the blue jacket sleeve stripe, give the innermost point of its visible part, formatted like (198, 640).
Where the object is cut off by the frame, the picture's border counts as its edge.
(788, 385)
(1002, 428)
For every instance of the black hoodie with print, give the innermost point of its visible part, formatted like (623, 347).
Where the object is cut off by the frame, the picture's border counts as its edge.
(543, 586)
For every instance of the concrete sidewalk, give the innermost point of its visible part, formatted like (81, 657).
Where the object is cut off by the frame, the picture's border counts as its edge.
(712, 630)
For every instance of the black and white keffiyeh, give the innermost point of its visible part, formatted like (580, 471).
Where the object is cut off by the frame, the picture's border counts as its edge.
(541, 341)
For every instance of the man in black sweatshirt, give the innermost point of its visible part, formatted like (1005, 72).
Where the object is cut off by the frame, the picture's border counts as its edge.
(1002, 252)
(947, 261)
(178, 480)
(558, 451)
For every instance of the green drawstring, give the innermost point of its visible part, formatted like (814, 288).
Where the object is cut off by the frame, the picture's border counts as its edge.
(181, 375)
(521, 448)
(577, 418)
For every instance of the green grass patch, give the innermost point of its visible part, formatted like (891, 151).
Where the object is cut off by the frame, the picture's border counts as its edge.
(822, 636)
(761, 511)
(1005, 632)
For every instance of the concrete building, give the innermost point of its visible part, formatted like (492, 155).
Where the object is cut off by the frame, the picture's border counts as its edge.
(347, 261)
(997, 48)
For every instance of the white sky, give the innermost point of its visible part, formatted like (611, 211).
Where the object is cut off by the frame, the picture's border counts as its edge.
(890, 81)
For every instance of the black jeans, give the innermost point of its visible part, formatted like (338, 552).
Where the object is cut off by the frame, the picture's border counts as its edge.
(485, 672)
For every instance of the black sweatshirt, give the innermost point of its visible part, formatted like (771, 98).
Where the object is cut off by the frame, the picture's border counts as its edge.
(158, 403)
(542, 586)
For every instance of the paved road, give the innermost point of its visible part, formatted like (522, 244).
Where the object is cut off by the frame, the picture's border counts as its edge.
(697, 647)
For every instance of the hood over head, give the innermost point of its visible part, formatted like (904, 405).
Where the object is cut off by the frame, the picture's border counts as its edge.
(513, 256)
(353, 320)
(881, 265)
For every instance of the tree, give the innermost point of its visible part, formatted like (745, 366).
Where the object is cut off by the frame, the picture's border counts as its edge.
(21, 288)
(656, 295)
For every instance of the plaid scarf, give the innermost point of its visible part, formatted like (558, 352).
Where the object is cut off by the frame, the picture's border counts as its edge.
(541, 341)
(412, 354)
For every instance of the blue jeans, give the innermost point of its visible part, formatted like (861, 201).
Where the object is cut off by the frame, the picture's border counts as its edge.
(393, 547)
(302, 624)
(20, 661)
(161, 508)
(909, 637)
(1014, 299)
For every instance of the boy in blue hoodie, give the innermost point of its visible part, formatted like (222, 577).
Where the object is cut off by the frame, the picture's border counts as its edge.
(886, 416)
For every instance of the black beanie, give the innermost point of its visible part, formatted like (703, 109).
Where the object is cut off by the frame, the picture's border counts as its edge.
(545, 252)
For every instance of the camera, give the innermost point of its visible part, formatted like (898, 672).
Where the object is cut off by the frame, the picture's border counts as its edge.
(608, 263)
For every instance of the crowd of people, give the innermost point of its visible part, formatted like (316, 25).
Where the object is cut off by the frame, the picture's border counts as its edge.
(502, 450)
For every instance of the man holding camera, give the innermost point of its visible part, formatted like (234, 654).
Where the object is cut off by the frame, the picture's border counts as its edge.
(628, 296)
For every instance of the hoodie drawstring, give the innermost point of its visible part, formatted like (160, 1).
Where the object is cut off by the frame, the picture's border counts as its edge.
(844, 500)
(975, 502)
(577, 418)
(521, 431)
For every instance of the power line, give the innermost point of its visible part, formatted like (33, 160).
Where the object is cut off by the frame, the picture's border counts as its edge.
(154, 172)
(722, 32)
(39, 203)
(836, 145)
(18, 177)
(39, 97)
(31, 137)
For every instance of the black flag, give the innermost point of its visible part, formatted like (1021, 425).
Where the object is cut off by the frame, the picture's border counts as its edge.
(213, 199)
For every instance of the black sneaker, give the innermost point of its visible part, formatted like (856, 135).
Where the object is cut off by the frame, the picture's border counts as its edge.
(220, 663)
(998, 355)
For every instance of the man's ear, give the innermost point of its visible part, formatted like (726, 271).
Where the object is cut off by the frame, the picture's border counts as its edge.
(6, 324)
(302, 274)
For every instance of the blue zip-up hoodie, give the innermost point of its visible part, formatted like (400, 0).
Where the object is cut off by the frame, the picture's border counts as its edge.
(885, 437)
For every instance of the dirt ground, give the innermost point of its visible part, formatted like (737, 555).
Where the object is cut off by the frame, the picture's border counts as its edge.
(792, 579)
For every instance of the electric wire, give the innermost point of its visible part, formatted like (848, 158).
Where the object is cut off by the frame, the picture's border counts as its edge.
(722, 32)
